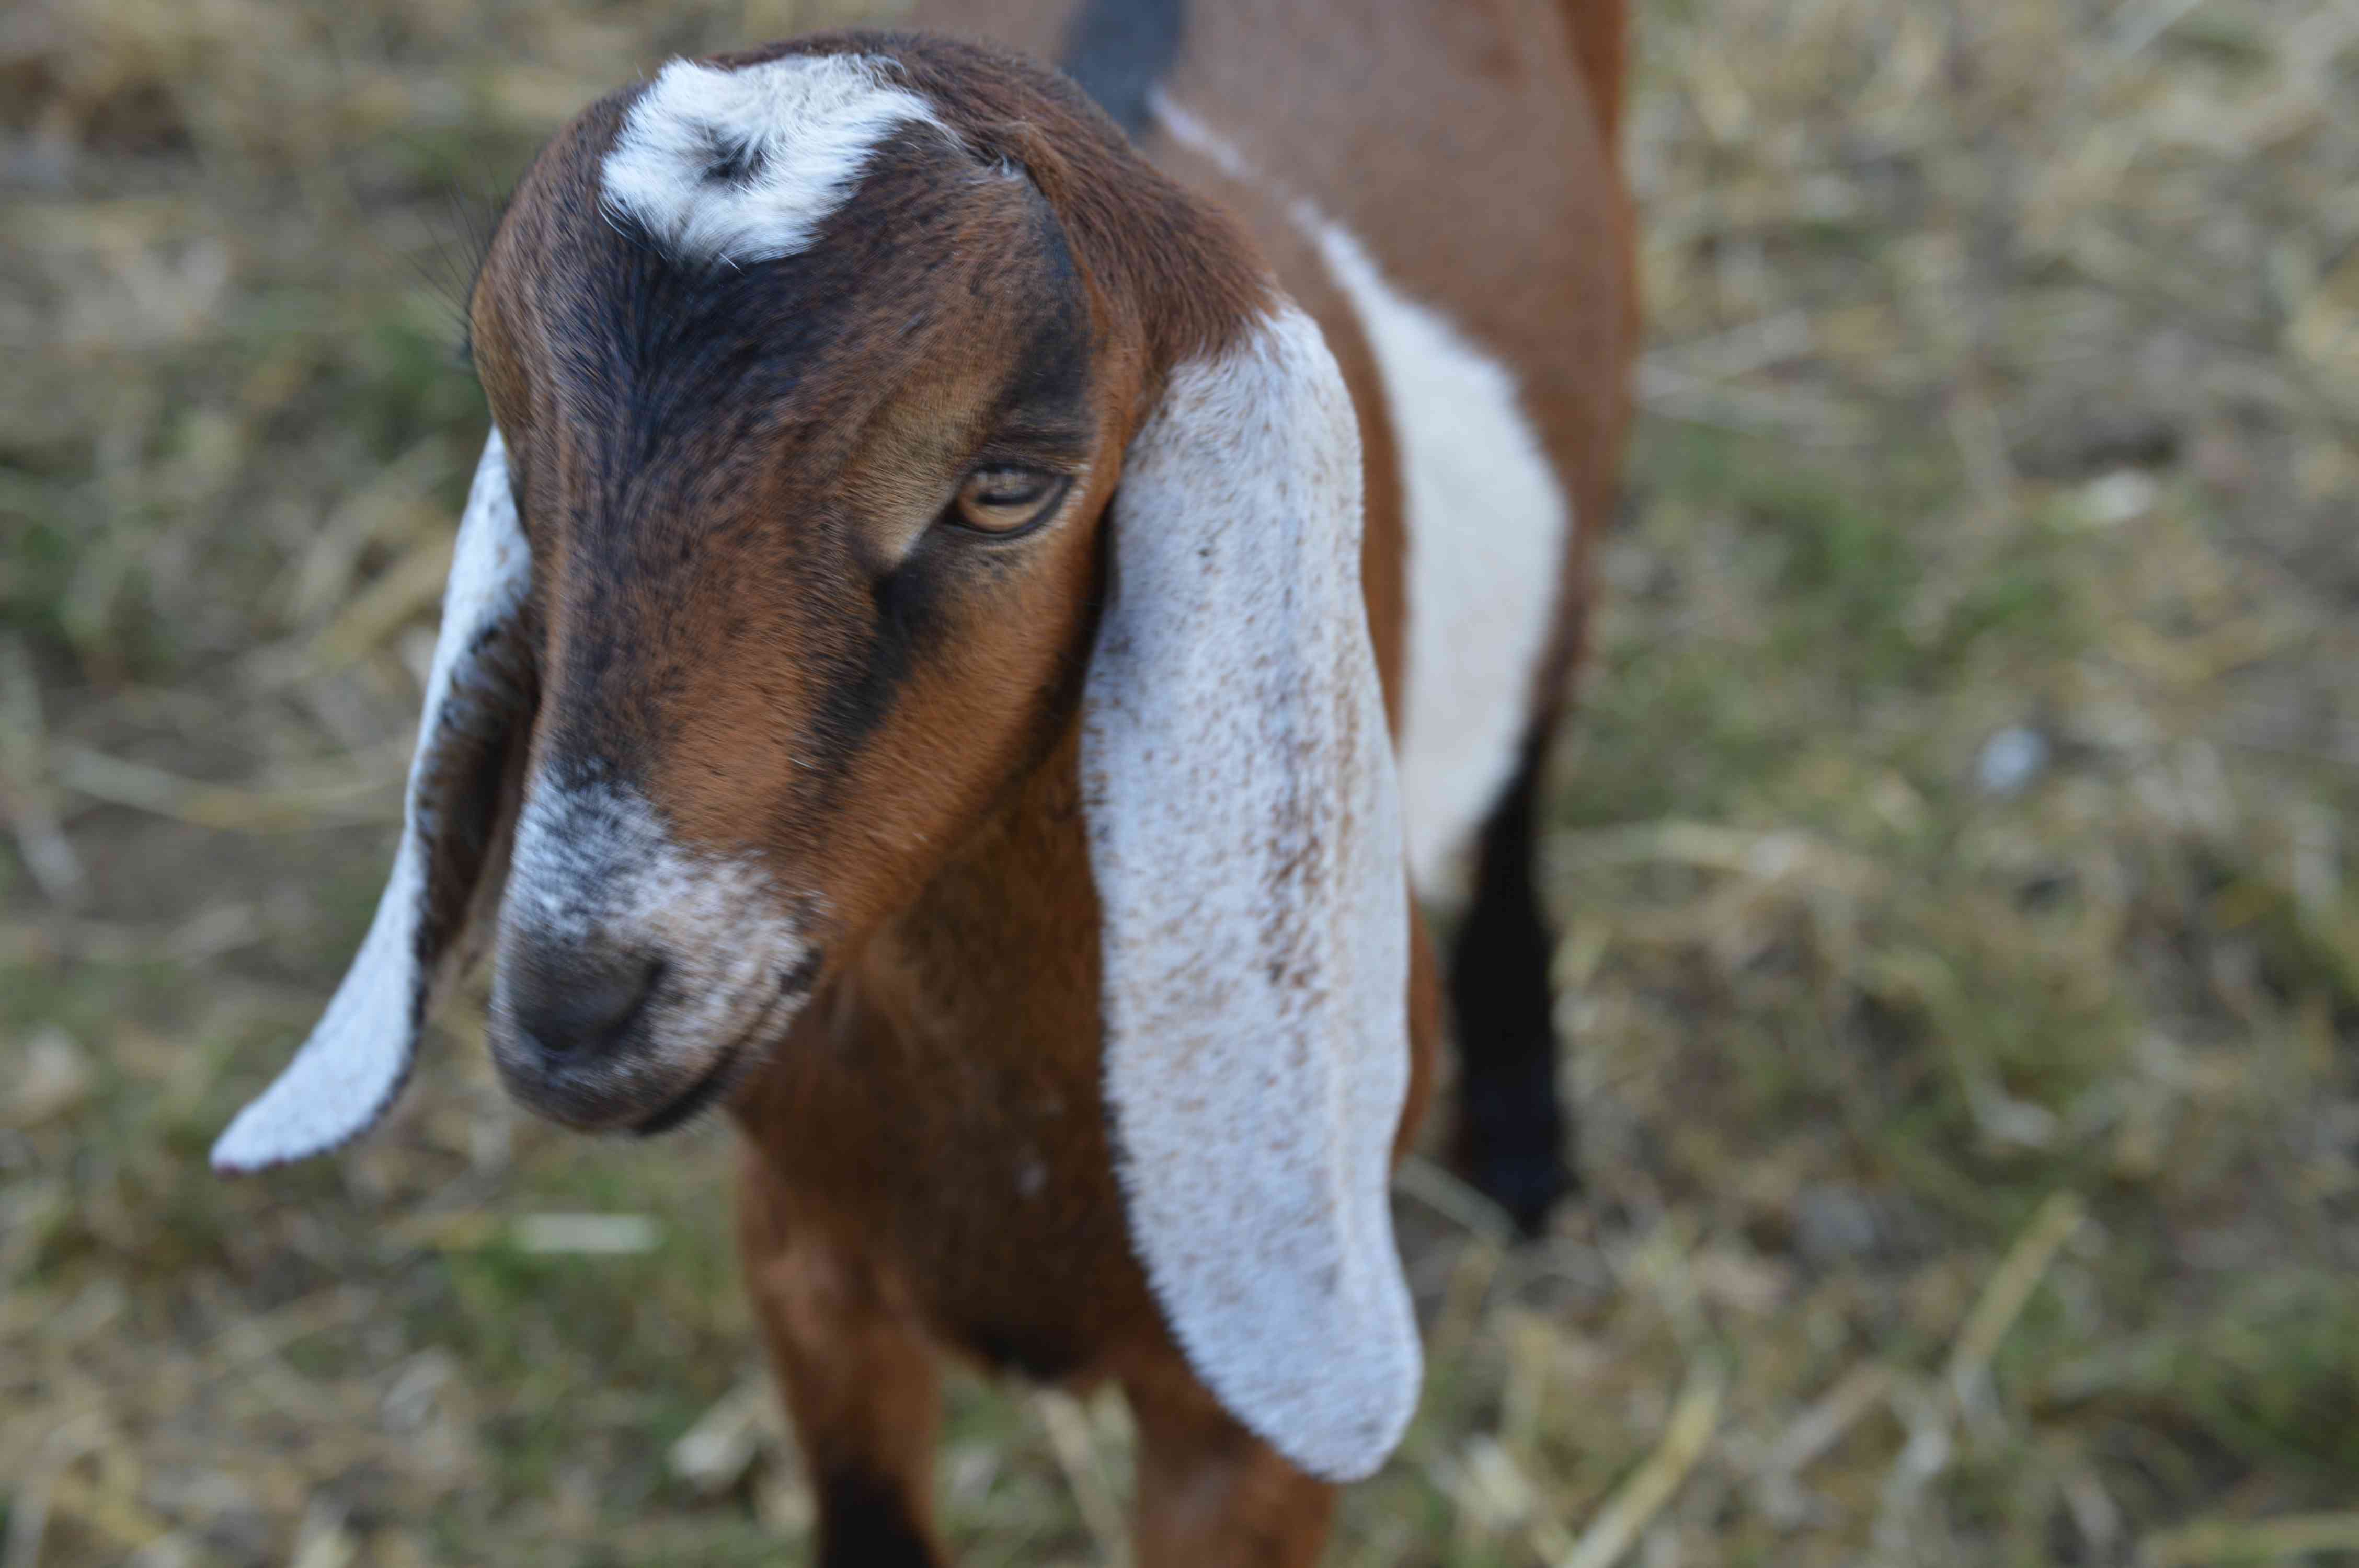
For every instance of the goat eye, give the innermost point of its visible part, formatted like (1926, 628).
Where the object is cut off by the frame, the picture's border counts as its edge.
(1007, 500)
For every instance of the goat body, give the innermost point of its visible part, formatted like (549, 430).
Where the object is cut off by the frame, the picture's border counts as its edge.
(981, 610)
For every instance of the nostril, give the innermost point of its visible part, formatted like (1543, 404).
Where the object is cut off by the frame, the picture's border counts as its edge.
(579, 1003)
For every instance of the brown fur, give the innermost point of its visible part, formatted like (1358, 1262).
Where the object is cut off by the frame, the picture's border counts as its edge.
(927, 1167)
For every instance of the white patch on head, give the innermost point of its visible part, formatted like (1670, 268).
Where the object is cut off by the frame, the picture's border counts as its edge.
(743, 165)
(593, 867)
(1245, 840)
(1487, 522)
(346, 1073)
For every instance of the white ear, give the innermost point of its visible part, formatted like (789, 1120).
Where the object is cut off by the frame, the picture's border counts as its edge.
(478, 707)
(1245, 838)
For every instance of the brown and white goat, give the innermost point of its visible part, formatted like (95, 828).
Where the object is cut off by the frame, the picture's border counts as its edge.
(979, 610)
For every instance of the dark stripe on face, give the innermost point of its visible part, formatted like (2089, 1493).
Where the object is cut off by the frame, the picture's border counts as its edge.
(1119, 49)
(710, 408)
(862, 693)
(686, 386)
(1043, 405)
(1047, 397)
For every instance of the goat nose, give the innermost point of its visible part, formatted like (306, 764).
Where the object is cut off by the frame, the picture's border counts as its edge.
(576, 1002)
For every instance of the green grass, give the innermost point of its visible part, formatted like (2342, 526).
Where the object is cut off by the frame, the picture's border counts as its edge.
(1848, 1027)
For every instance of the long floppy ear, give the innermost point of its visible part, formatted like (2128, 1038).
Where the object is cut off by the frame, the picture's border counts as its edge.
(456, 820)
(1245, 840)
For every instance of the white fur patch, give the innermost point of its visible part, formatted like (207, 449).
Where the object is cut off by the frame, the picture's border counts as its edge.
(594, 867)
(1245, 838)
(743, 165)
(346, 1073)
(1487, 524)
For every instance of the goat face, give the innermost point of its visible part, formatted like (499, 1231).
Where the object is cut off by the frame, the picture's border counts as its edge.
(811, 568)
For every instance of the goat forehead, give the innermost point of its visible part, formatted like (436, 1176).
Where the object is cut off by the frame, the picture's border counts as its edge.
(744, 165)
(762, 253)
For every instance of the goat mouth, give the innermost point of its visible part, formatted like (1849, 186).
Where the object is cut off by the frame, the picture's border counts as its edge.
(696, 1096)
(719, 1078)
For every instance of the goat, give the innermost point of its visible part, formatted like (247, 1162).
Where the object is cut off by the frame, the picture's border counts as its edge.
(989, 595)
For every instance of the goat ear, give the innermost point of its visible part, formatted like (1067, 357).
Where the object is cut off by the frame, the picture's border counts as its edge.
(447, 867)
(1245, 840)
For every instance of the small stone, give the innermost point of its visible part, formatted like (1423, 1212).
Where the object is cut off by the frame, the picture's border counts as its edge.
(1833, 1223)
(2011, 760)
(55, 1079)
(2123, 496)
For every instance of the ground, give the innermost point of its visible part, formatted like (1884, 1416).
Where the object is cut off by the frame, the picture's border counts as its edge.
(1953, 847)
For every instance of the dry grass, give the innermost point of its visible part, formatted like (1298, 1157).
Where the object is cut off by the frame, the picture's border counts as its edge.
(1960, 933)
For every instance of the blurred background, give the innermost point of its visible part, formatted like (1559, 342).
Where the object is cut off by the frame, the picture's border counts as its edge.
(1953, 849)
